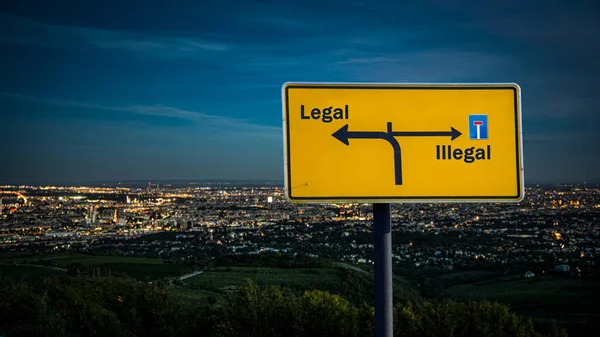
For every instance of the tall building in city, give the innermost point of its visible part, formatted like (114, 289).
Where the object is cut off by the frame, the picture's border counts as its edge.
(116, 216)
(92, 215)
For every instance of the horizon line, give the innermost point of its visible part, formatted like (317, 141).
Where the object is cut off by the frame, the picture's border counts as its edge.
(279, 182)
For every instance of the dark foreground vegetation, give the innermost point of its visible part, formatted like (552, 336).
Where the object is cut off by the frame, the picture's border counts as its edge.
(111, 306)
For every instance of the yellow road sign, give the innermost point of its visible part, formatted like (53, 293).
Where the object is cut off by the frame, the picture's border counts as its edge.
(402, 142)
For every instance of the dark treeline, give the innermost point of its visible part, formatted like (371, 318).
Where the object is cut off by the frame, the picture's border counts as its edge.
(73, 306)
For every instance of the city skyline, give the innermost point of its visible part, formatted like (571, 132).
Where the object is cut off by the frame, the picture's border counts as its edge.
(112, 92)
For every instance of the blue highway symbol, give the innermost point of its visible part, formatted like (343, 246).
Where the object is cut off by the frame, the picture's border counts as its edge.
(343, 135)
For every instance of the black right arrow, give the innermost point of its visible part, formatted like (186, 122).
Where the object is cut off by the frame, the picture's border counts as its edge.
(453, 133)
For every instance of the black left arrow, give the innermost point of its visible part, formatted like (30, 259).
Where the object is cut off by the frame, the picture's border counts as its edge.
(343, 134)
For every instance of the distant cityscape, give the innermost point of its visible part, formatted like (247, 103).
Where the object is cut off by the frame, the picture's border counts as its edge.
(555, 228)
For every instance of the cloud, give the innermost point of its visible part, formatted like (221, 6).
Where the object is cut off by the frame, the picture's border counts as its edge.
(144, 43)
(442, 65)
(368, 60)
(198, 118)
(565, 105)
(21, 30)
(559, 137)
(280, 22)
(560, 93)
(541, 22)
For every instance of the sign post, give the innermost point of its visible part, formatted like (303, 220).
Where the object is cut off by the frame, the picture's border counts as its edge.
(382, 246)
(398, 143)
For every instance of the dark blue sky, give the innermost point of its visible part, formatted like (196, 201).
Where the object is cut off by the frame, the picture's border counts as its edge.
(115, 90)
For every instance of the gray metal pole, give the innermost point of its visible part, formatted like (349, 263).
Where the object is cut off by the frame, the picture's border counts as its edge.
(382, 242)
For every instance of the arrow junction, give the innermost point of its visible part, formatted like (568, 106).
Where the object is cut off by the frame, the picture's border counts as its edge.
(343, 135)
(442, 137)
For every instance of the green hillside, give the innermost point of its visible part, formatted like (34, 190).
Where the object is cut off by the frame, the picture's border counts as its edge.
(569, 301)
(356, 285)
(26, 272)
(141, 268)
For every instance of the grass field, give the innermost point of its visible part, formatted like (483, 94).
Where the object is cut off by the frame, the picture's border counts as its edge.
(564, 299)
(232, 277)
(4, 256)
(472, 273)
(136, 267)
(219, 281)
(64, 259)
(349, 280)
(195, 294)
(23, 272)
(90, 260)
